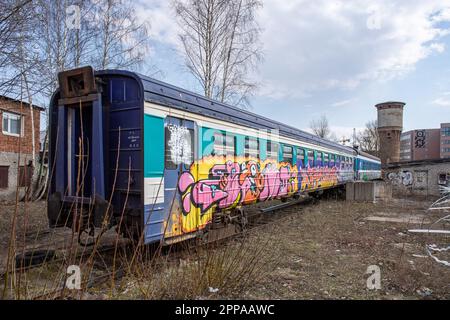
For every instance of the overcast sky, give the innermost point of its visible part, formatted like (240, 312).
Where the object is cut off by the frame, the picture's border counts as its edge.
(338, 58)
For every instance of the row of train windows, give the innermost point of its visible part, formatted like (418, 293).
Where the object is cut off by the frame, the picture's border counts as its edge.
(225, 145)
(365, 165)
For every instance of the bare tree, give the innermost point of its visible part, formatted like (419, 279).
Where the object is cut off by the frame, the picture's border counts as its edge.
(14, 17)
(37, 41)
(220, 39)
(368, 139)
(320, 127)
(122, 41)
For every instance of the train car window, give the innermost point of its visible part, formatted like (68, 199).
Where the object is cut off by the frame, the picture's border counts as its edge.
(230, 145)
(319, 158)
(300, 157)
(251, 147)
(219, 142)
(310, 158)
(224, 144)
(272, 150)
(332, 160)
(287, 154)
(179, 146)
(325, 159)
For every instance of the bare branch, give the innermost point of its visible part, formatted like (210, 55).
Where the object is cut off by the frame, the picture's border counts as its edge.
(220, 39)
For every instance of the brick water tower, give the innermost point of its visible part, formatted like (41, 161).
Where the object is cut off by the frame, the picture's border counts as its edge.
(390, 125)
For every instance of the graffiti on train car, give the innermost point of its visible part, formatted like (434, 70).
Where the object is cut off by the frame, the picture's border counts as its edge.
(319, 177)
(226, 184)
(235, 182)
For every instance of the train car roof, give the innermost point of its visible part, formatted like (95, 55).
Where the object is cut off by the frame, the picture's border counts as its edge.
(368, 155)
(163, 93)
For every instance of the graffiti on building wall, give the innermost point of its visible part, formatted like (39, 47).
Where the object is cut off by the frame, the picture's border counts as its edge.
(419, 139)
(401, 178)
(214, 182)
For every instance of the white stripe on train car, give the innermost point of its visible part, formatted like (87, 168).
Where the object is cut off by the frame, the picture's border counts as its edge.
(202, 121)
(154, 191)
(367, 159)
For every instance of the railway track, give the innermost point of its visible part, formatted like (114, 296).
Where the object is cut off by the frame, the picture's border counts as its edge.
(257, 218)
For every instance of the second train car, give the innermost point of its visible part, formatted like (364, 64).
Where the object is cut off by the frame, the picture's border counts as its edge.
(168, 164)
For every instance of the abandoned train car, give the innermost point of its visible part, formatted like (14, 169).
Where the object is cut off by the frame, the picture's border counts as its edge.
(169, 164)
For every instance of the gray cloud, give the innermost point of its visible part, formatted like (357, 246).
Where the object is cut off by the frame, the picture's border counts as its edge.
(322, 44)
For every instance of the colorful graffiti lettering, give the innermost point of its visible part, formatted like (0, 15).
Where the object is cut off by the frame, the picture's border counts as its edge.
(215, 182)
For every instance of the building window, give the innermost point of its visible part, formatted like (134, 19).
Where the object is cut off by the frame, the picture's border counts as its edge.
(4, 171)
(12, 124)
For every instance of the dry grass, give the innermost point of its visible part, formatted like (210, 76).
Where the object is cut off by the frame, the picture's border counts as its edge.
(327, 249)
(204, 272)
(320, 251)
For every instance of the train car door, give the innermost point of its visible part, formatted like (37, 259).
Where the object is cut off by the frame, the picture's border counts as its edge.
(179, 156)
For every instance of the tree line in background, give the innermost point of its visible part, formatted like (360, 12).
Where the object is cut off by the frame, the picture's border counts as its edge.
(219, 40)
(40, 38)
(366, 140)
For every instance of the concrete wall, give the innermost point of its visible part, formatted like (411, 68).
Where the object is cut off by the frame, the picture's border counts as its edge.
(390, 114)
(371, 191)
(418, 178)
(11, 159)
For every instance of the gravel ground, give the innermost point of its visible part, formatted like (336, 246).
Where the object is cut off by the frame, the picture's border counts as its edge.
(323, 251)
(328, 247)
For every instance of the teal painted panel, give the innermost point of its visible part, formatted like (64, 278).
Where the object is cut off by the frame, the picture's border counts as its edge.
(154, 146)
(206, 141)
(280, 152)
(262, 149)
(294, 155)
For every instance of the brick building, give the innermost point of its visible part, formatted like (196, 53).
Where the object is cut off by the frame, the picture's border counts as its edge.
(445, 140)
(16, 138)
(423, 144)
